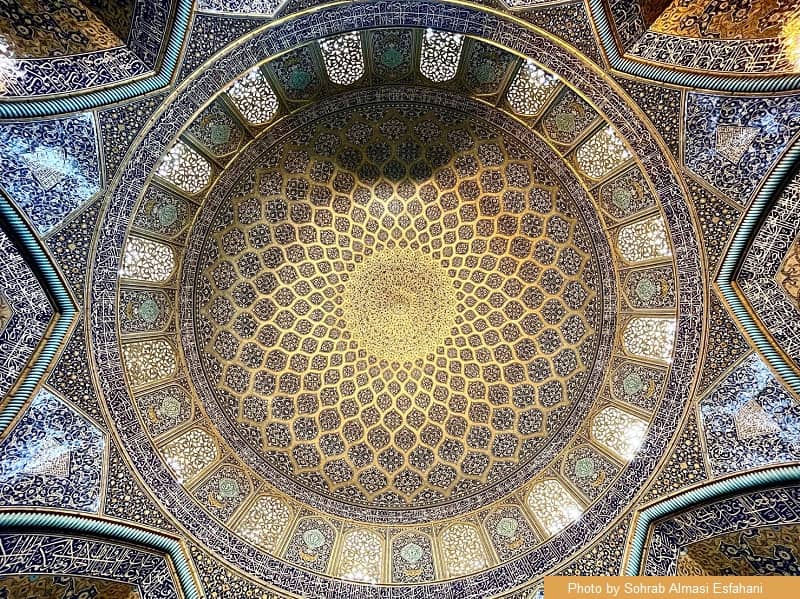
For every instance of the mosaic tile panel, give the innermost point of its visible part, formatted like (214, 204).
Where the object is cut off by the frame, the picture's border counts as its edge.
(70, 245)
(650, 288)
(217, 130)
(604, 558)
(297, 74)
(717, 218)
(391, 53)
(637, 383)
(311, 544)
(66, 555)
(769, 271)
(120, 125)
(568, 118)
(510, 532)
(144, 310)
(24, 313)
(750, 420)
(412, 558)
(672, 536)
(49, 168)
(53, 457)
(487, 68)
(570, 22)
(71, 377)
(165, 408)
(224, 490)
(125, 498)
(719, 147)
(625, 194)
(588, 470)
(726, 344)
(662, 105)
(684, 467)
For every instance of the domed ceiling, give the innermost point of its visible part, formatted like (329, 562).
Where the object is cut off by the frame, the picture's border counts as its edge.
(395, 308)
(388, 299)
(411, 319)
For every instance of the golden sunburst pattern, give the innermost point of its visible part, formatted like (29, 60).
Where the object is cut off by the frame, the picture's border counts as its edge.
(399, 305)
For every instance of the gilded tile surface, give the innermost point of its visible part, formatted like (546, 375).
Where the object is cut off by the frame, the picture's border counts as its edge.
(734, 19)
(44, 28)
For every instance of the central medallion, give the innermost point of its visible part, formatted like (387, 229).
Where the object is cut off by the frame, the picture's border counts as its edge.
(399, 305)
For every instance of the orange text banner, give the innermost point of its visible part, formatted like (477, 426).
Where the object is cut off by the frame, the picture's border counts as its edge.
(671, 587)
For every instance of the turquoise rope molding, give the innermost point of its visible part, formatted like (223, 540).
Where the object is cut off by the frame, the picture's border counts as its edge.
(109, 530)
(750, 481)
(727, 272)
(27, 107)
(730, 83)
(65, 309)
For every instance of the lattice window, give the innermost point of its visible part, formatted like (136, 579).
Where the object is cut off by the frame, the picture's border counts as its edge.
(265, 522)
(344, 58)
(644, 240)
(361, 558)
(619, 431)
(441, 52)
(462, 550)
(148, 361)
(191, 453)
(553, 506)
(602, 153)
(254, 97)
(530, 89)
(185, 168)
(147, 260)
(650, 337)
